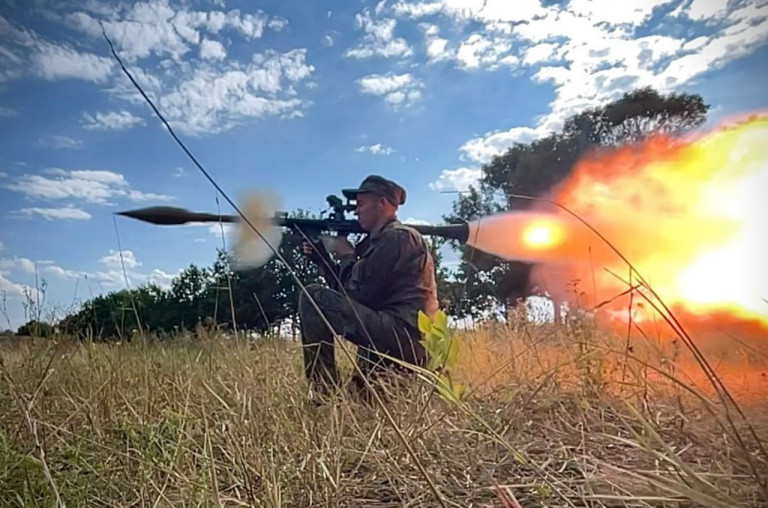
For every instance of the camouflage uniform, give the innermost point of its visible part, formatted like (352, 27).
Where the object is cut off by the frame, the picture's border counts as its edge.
(389, 279)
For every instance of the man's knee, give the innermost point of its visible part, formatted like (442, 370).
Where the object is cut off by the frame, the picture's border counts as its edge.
(318, 302)
(311, 293)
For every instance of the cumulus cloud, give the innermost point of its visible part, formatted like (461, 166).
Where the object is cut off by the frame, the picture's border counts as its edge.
(482, 149)
(64, 213)
(588, 51)
(60, 272)
(112, 276)
(19, 264)
(212, 50)
(90, 186)
(417, 222)
(156, 27)
(116, 259)
(377, 149)
(24, 52)
(111, 120)
(10, 288)
(436, 47)
(53, 61)
(397, 89)
(216, 229)
(379, 39)
(488, 11)
(479, 51)
(456, 179)
(123, 266)
(209, 100)
(58, 141)
(176, 54)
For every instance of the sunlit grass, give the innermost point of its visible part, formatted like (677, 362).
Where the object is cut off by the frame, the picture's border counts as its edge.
(554, 415)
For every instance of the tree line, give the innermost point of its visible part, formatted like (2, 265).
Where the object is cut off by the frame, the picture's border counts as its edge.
(262, 298)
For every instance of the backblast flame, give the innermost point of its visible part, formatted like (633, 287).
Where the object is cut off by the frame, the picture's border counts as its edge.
(690, 214)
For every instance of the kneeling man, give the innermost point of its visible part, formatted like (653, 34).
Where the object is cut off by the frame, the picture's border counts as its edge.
(384, 281)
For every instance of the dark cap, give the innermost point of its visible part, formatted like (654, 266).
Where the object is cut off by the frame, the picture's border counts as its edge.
(380, 186)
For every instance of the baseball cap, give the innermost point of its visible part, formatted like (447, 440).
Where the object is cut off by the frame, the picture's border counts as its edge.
(380, 186)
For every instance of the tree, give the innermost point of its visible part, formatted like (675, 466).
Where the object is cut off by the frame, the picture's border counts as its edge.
(533, 169)
(36, 328)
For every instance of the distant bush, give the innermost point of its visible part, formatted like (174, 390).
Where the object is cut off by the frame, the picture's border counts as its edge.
(36, 329)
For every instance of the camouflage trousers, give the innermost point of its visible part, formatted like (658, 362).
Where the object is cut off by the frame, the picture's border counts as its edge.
(372, 331)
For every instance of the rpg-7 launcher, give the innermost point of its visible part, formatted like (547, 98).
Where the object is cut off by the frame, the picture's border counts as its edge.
(336, 221)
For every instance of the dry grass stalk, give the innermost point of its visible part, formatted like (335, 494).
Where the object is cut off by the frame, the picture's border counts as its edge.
(224, 422)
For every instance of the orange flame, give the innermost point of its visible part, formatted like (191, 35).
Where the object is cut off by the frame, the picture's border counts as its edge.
(689, 214)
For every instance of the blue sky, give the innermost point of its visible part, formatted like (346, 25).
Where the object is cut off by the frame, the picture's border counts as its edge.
(304, 98)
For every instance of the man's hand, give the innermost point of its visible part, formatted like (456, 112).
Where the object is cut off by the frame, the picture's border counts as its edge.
(338, 245)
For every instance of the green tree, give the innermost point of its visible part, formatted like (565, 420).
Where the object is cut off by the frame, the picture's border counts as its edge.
(36, 328)
(533, 169)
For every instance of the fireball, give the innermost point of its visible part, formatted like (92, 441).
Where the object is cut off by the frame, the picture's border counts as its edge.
(688, 213)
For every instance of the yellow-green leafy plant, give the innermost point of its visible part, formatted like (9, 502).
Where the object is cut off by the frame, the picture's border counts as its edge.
(442, 352)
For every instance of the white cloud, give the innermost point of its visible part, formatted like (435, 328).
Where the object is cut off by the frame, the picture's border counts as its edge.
(212, 50)
(208, 101)
(116, 272)
(705, 10)
(112, 120)
(116, 259)
(539, 53)
(277, 24)
(613, 12)
(179, 172)
(91, 186)
(588, 51)
(377, 149)
(479, 51)
(65, 213)
(396, 89)
(24, 52)
(482, 149)
(22, 264)
(379, 39)
(58, 141)
(11, 289)
(215, 229)
(60, 272)
(488, 11)
(418, 222)
(155, 27)
(7, 112)
(456, 179)
(198, 96)
(52, 61)
(436, 47)
(160, 278)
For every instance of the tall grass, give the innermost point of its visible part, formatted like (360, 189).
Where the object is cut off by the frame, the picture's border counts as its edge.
(553, 415)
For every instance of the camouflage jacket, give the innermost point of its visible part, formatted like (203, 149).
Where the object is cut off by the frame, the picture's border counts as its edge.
(392, 271)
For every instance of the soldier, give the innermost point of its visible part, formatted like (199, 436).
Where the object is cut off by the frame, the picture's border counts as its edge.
(384, 281)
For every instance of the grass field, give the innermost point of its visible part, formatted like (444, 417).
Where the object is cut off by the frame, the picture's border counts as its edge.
(554, 415)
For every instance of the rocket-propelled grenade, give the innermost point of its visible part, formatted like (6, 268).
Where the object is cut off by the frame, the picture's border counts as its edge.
(172, 216)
